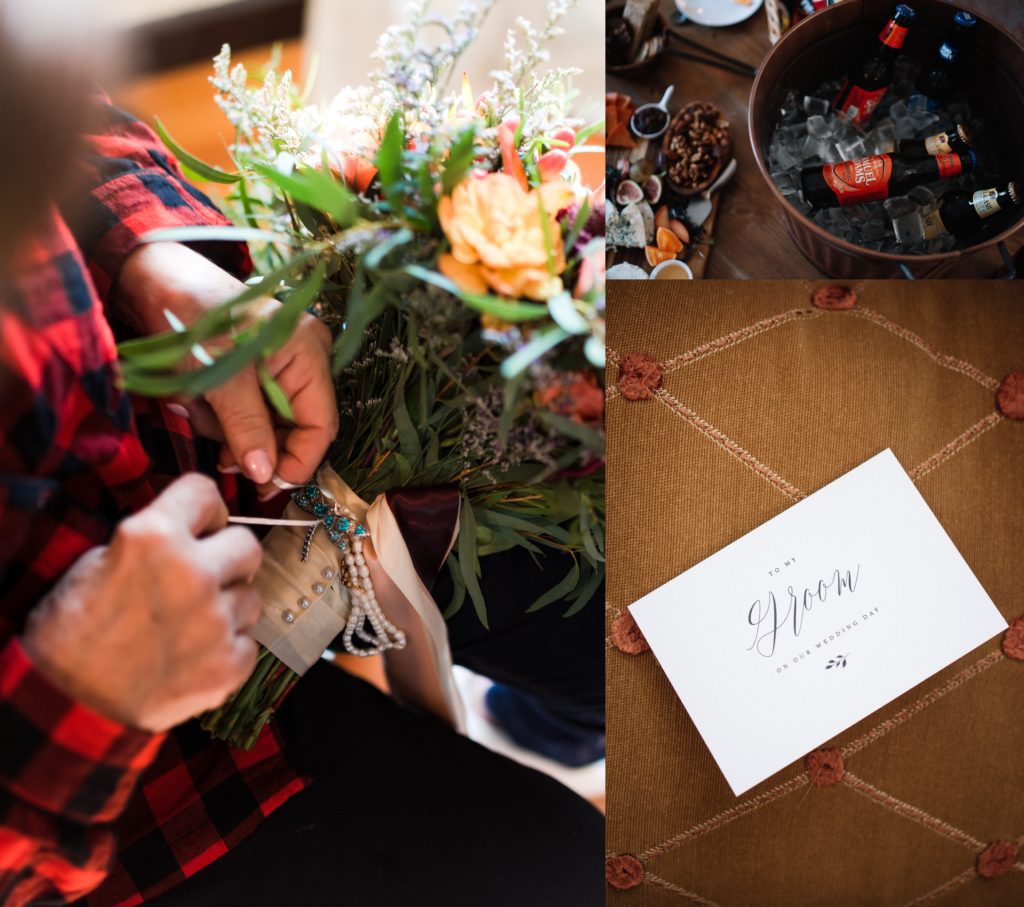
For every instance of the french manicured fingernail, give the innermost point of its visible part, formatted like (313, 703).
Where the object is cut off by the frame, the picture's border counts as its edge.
(178, 410)
(258, 466)
(282, 484)
(232, 470)
(269, 495)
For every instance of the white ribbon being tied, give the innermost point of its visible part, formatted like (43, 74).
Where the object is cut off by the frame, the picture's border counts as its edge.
(306, 604)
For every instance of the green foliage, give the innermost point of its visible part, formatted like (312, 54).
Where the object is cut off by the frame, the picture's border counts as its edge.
(414, 368)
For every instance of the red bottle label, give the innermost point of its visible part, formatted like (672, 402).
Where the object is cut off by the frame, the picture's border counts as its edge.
(949, 165)
(863, 180)
(864, 101)
(893, 35)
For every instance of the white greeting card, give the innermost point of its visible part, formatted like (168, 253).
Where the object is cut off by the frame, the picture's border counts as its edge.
(814, 620)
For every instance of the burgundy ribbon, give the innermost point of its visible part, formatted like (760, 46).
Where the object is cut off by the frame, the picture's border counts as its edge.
(428, 518)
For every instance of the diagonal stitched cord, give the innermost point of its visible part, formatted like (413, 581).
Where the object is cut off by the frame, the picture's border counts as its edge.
(692, 897)
(971, 434)
(727, 816)
(914, 813)
(728, 445)
(943, 359)
(794, 784)
(958, 880)
(904, 714)
(956, 445)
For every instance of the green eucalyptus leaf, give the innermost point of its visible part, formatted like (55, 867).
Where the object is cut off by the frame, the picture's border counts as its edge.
(458, 587)
(468, 561)
(539, 344)
(389, 162)
(460, 159)
(200, 169)
(275, 394)
(559, 591)
(584, 593)
(505, 309)
(316, 189)
(378, 253)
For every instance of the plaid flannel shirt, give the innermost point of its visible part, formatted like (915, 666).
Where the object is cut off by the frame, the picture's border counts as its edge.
(88, 807)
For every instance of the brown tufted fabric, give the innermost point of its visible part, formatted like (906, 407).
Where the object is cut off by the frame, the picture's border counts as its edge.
(764, 397)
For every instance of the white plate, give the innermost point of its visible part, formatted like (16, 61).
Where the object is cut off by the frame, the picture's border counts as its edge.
(718, 12)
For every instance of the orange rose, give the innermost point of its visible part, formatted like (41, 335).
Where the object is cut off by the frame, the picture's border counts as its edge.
(497, 239)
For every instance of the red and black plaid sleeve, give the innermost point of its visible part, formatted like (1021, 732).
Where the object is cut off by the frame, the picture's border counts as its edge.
(135, 186)
(65, 773)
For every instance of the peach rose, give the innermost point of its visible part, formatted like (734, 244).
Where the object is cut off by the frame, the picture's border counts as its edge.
(497, 239)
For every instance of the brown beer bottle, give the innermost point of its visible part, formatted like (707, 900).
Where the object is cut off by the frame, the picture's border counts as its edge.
(865, 87)
(957, 141)
(881, 176)
(964, 213)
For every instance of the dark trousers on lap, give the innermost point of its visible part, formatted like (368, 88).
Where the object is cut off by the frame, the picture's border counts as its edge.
(403, 811)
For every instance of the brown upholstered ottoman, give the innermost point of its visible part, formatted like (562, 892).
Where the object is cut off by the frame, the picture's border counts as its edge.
(746, 397)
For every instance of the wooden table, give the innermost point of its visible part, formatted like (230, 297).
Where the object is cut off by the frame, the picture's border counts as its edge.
(750, 240)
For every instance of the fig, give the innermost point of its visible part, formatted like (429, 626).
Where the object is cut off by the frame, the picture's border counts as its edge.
(628, 191)
(652, 189)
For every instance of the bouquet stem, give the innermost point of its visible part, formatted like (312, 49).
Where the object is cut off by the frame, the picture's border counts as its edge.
(241, 719)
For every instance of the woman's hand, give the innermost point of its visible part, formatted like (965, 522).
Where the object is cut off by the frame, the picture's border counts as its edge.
(257, 441)
(150, 629)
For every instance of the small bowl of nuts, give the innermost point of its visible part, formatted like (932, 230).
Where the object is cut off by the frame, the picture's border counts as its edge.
(697, 146)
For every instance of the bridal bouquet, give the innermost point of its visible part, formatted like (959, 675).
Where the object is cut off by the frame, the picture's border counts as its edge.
(447, 240)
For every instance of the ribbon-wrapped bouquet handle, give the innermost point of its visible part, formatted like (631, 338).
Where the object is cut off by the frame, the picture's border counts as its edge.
(336, 567)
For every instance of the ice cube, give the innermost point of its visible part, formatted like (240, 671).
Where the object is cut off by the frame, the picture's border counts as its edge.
(924, 121)
(899, 111)
(908, 229)
(817, 127)
(883, 137)
(921, 195)
(917, 103)
(899, 206)
(816, 106)
(797, 201)
(783, 158)
(787, 182)
(851, 151)
(873, 231)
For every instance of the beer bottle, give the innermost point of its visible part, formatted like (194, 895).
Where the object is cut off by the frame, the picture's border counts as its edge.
(881, 176)
(964, 213)
(865, 87)
(938, 80)
(957, 141)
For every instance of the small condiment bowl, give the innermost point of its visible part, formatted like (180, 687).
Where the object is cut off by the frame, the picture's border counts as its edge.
(661, 107)
(672, 269)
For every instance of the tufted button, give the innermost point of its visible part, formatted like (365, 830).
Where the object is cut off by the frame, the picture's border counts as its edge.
(623, 870)
(825, 766)
(626, 635)
(639, 376)
(1010, 396)
(1013, 639)
(997, 859)
(834, 298)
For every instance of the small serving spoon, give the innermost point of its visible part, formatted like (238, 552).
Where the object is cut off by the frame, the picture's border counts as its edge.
(662, 106)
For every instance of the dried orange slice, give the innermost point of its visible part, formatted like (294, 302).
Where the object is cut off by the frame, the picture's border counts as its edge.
(668, 241)
(656, 256)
